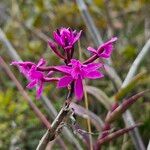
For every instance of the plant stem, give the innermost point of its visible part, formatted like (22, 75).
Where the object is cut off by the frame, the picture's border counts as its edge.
(88, 119)
(55, 126)
(86, 101)
(114, 135)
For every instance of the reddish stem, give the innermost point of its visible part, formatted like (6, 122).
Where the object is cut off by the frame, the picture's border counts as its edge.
(49, 68)
(113, 136)
(50, 79)
(91, 59)
(55, 50)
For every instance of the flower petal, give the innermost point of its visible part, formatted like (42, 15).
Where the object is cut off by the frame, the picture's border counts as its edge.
(64, 81)
(50, 73)
(41, 62)
(57, 39)
(77, 37)
(92, 50)
(34, 74)
(106, 51)
(31, 85)
(104, 55)
(64, 69)
(94, 75)
(113, 39)
(78, 88)
(93, 66)
(52, 45)
(39, 90)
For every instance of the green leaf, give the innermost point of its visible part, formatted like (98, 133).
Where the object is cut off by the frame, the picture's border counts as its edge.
(132, 85)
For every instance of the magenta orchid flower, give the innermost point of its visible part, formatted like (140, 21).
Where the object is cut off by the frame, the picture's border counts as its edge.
(77, 72)
(105, 49)
(36, 78)
(66, 38)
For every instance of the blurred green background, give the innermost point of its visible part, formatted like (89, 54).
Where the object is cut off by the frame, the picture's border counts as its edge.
(29, 23)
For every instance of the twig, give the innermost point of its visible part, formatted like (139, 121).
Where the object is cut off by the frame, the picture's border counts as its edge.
(51, 133)
(53, 113)
(44, 141)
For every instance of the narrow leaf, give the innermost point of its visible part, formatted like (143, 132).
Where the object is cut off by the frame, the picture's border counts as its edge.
(82, 112)
(113, 136)
(134, 82)
(113, 115)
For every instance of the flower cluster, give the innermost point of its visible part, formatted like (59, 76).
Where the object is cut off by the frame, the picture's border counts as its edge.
(74, 71)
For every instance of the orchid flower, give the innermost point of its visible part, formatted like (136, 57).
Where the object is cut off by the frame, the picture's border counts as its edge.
(105, 49)
(66, 38)
(36, 78)
(76, 71)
